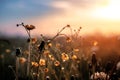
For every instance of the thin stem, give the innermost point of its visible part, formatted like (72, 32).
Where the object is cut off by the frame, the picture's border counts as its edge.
(28, 31)
(11, 67)
(29, 47)
(58, 33)
(17, 63)
(38, 67)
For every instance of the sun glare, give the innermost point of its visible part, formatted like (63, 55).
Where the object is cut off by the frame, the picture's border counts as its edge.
(110, 11)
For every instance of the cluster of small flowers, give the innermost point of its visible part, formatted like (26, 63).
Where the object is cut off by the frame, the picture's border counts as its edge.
(99, 76)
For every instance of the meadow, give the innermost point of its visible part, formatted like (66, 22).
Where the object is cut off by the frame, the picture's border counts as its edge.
(61, 57)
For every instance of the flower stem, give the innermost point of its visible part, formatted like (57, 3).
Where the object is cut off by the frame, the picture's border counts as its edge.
(29, 48)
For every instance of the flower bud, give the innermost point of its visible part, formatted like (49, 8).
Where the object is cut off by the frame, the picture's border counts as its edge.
(41, 46)
(18, 52)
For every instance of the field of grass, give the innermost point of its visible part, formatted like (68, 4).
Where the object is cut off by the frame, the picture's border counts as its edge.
(61, 57)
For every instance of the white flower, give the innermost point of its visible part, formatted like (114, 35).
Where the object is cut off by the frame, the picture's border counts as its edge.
(95, 76)
(118, 66)
(103, 75)
(98, 75)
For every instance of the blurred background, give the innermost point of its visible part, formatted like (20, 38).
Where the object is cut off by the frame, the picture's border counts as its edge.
(98, 20)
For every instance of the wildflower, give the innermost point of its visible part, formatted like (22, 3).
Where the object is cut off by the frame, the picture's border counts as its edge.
(103, 75)
(56, 63)
(34, 40)
(18, 52)
(46, 52)
(62, 68)
(58, 45)
(78, 61)
(22, 60)
(95, 43)
(118, 66)
(46, 70)
(76, 50)
(34, 74)
(41, 46)
(65, 57)
(47, 78)
(7, 50)
(35, 64)
(100, 76)
(74, 57)
(95, 76)
(68, 39)
(42, 62)
(50, 44)
(29, 27)
(51, 57)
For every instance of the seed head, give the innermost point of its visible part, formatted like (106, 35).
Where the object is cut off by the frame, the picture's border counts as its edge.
(80, 27)
(68, 25)
(17, 25)
(46, 70)
(42, 62)
(29, 27)
(76, 50)
(74, 57)
(64, 57)
(18, 52)
(34, 64)
(41, 46)
(56, 63)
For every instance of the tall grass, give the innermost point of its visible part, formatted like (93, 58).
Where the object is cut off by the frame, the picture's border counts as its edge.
(61, 57)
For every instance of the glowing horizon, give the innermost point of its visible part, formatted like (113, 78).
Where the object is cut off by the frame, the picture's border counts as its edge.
(50, 16)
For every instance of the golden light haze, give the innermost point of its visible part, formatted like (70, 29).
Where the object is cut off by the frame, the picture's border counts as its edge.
(100, 16)
(109, 11)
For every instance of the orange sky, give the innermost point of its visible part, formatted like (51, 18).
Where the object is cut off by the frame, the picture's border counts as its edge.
(93, 15)
(103, 16)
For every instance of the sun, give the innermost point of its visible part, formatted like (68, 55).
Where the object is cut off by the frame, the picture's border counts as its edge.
(110, 11)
